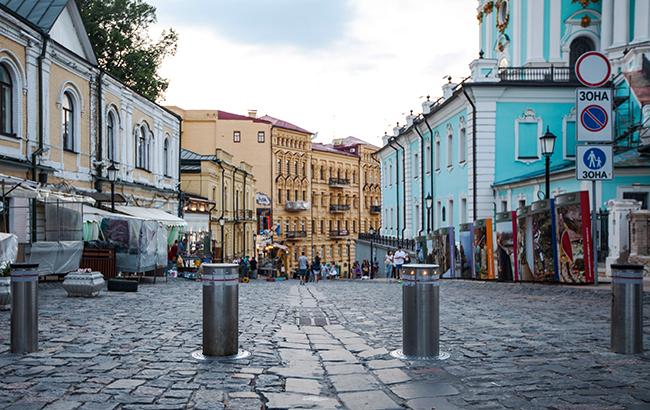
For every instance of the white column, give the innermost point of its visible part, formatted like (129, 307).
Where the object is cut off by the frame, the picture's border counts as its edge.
(621, 22)
(489, 31)
(555, 21)
(606, 22)
(515, 42)
(535, 24)
(641, 21)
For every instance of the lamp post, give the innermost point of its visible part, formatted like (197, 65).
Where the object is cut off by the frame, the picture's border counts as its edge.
(429, 202)
(548, 145)
(222, 222)
(112, 176)
(372, 259)
(347, 242)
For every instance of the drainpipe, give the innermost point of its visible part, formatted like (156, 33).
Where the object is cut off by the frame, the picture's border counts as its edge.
(473, 153)
(422, 204)
(432, 170)
(100, 128)
(180, 193)
(404, 183)
(236, 217)
(41, 131)
(390, 144)
(244, 201)
(223, 206)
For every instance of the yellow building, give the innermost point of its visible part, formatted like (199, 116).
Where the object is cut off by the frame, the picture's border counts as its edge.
(227, 190)
(64, 122)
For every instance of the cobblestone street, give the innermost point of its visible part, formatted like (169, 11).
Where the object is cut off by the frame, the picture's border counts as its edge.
(326, 345)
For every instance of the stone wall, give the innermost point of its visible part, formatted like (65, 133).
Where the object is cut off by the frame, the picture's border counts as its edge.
(640, 238)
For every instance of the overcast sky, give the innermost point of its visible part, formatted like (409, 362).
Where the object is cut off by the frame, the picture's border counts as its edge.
(336, 67)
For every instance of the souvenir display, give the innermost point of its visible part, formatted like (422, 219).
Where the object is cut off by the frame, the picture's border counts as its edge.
(573, 227)
(466, 251)
(544, 241)
(506, 246)
(484, 249)
(524, 245)
(445, 252)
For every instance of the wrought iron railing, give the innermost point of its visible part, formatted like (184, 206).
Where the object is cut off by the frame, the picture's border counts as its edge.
(408, 244)
(337, 233)
(549, 74)
(295, 234)
(339, 182)
(296, 206)
(339, 208)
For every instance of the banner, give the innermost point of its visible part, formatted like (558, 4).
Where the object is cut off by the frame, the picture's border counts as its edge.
(524, 245)
(573, 227)
(484, 249)
(466, 251)
(506, 246)
(544, 242)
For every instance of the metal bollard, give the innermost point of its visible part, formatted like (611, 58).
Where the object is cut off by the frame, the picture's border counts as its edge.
(24, 307)
(421, 311)
(627, 309)
(220, 309)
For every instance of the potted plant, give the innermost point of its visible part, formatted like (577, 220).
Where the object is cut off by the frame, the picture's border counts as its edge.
(5, 285)
(83, 283)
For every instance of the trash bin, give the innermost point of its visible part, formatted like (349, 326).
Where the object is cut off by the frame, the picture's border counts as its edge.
(627, 309)
(220, 309)
(24, 307)
(420, 311)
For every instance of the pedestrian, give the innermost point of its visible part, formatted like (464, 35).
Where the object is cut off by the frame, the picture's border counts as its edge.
(388, 265)
(333, 272)
(356, 270)
(316, 268)
(172, 255)
(365, 269)
(398, 259)
(326, 270)
(303, 263)
(253, 264)
(182, 247)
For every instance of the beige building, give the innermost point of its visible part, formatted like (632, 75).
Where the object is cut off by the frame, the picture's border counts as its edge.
(222, 190)
(64, 122)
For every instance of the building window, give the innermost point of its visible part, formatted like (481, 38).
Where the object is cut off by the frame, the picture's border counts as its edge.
(295, 168)
(528, 130)
(68, 122)
(439, 214)
(166, 157)
(279, 167)
(504, 206)
(462, 146)
(443, 215)
(236, 136)
(304, 195)
(416, 168)
(463, 210)
(142, 147)
(450, 206)
(288, 195)
(417, 218)
(288, 167)
(450, 147)
(261, 137)
(522, 203)
(110, 137)
(638, 196)
(279, 196)
(428, 157)
(437, 153)
(390, 175)
(6, 102)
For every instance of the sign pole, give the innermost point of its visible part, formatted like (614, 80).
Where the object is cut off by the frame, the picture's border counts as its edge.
(594, 219)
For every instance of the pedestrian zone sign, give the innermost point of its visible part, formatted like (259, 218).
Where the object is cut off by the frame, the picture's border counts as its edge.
(594, 115)
(594, 162)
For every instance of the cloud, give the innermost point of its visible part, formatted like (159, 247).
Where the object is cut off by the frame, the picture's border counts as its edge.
(387, 55)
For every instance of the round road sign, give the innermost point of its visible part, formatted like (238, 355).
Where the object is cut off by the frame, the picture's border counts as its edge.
(593, 69)
(594, 158)
(594, 118)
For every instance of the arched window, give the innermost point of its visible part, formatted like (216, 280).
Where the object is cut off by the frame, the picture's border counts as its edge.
(68, 122)
(141, 147)
(579, 46)
(110, 137)
(166, 157)
(6, 102)
(148, 154)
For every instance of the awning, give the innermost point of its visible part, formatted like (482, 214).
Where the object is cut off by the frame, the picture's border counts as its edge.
(106, 197)
(152, 214)
(92, 214)
(197, 222)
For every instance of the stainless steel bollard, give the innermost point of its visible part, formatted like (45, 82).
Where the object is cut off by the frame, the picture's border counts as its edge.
(420, 311)
(220, 309)
(627, 309)
(24, 307)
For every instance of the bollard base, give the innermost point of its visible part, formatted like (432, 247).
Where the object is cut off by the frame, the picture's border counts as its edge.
(241, 354)
(398, 354)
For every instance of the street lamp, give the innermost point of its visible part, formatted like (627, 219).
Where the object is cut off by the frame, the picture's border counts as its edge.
(372, 259)
(222, 222)
(348, 242)
(112, 176)
(429, 202)
(548, 145)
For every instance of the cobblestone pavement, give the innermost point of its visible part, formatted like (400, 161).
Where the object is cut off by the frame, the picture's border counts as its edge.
(326, 346)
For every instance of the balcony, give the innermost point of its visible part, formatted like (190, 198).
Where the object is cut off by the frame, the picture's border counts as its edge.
(297, 206)
(339, 183)
(375, 209)
(537, 74)
(339, 209)
(339, 233)
(295, 235)
(244, 215)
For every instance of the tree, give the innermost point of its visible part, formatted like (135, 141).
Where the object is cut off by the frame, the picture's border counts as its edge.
(119, 34)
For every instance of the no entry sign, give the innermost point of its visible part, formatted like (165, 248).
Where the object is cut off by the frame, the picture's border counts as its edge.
(593, 69)
(594, 115)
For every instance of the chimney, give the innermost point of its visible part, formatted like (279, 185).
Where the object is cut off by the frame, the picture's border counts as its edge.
(409, 119)
(252, 113)
(384, 138)
(426, 106)
(396, 130)
(448, 89)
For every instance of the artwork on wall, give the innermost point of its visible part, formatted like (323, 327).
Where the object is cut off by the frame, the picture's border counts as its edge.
(483, 249)
(506, 246)
(466, 251)
(444, 242)
(524, 245)
(544, 242)
(573, 227)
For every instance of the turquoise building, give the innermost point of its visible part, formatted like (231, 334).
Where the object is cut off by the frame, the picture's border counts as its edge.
(476, 150)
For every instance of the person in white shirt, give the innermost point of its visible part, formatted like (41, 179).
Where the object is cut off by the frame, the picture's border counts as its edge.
(388, 265)
(398, 260)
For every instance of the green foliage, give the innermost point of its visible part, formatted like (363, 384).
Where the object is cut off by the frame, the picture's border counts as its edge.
(119, 33)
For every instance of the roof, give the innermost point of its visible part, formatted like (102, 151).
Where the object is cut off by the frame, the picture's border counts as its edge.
(41, 14)
(223, 115)
(152, 214)
(351, 141)
(284, 124)
(329, 148)
(640, 84)
(187, 155)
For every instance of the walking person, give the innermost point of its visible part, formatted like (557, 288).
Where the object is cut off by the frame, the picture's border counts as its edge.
(303, 263)
(365, 269)
(388, 265)
(253, 265)
(398, 259)
(316, 268)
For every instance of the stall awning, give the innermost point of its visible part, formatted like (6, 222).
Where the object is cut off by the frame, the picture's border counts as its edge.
(152, 214)
(197, 222)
